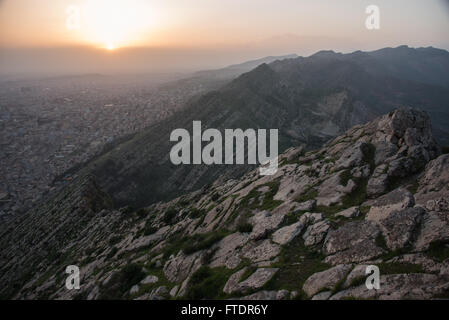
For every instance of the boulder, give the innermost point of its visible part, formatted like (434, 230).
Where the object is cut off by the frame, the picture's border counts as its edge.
(383, 206)
(326, 279)
(435, 228)
(263, 223)
(227, 251)
(286, 234)
(254, 281)
(316, 232)
(149, 279)
(352, 212)
(353, 242)
(262, 251)
(401, 227)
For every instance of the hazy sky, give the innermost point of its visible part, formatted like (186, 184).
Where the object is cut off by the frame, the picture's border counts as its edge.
(191, 34)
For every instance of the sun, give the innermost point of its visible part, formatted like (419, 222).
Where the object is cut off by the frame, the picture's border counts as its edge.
(110, 47)
(111, 24)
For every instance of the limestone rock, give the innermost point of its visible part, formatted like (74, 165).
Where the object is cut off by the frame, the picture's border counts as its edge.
(352, 212)
(435, 228)
(286, 234)
(264, 222)
(326, 279)
(263, 251)
(353, 242)
(254, 281)
(395, 200)
(316, 232)
(228, 250)
(401, 227)
(149, 279)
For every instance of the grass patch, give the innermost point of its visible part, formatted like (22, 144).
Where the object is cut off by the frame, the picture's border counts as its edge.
(245, 227)
(194, 243)
(296, 264)
(438, 251)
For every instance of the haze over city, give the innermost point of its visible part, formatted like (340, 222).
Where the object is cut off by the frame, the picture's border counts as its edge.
(118, 36)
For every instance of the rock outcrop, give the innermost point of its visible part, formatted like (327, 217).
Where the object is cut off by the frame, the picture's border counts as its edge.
(377, 195)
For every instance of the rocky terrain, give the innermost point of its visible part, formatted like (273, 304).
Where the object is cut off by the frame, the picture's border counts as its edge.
(310, 100)
(376, 195)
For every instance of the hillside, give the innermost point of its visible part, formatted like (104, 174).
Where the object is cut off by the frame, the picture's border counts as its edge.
(310, 100)
(377, 194)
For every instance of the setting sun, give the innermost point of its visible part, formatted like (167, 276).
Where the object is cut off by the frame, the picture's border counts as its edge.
(112, 24)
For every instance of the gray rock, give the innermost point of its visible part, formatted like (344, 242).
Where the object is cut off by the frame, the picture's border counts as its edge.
(331, 191)
(400, 227)
(378, 182)
(263, 251)
(326, 279)
(174, 291)
(395, 200)
(179, 267)
(134, 289)
(306, 206)
(160, 293)
(227, 253)
(267, 295)
(349, 213)
(352, 156)
(149, 279)
(353, 242)
(359, 272)
(286, 234)
(263, 223)
(316, 232)
(253, 282)
(434, 185)
(435, 228)
(322, 295)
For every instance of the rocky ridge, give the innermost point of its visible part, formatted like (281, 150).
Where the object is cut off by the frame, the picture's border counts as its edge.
(379, 194)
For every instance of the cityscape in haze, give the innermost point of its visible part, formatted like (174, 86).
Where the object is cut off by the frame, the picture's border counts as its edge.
(92, 92)
(73, 36)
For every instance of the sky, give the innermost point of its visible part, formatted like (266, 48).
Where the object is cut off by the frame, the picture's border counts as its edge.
(186, 35)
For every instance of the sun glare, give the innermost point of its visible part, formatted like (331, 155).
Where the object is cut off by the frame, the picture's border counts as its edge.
(112, 24)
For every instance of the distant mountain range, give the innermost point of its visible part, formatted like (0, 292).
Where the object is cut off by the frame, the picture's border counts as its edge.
(309, 99)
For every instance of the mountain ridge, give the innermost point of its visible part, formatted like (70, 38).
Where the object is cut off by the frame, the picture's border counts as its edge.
(374, 195)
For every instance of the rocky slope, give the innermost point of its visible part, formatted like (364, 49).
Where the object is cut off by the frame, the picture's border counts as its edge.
(378, 194)
(310, 100)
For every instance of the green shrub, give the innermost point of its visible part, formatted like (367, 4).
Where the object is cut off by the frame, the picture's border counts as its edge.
(245, 227)
(169, 215)
(207, 283)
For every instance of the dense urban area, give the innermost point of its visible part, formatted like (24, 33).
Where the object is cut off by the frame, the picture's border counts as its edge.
(48, 126)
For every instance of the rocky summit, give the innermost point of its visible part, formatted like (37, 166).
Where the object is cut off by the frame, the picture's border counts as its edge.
(376, 195)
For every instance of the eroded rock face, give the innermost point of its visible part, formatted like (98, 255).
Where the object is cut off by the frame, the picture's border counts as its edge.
(316, 232)
(263, 251)
(400, 228)
(330, 206)
(264, 222)
(433, 191)
(326, 279)
(254, 281)
(353, 242)
(288, 233)
(227, 252)
(383, 206)
(435, 228)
